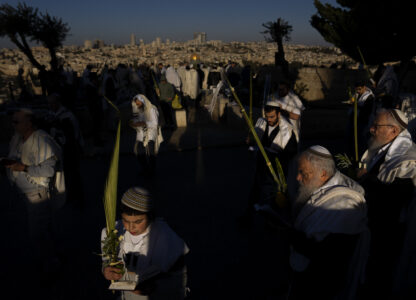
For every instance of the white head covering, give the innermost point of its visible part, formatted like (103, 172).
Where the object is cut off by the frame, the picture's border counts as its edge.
(400, 117)
(140, 98)
(320, 151)
(273, 102)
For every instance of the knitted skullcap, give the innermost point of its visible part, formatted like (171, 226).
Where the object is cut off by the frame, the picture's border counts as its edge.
(400, 117)
(137, 198)
(320, 151)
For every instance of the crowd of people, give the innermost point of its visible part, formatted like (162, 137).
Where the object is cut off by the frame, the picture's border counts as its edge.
(351, 236)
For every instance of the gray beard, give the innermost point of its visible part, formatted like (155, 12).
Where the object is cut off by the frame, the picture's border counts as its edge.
(373, 147)
(303, 195)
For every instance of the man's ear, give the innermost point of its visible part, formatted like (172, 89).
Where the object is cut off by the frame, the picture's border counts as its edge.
(323, 176)
(395, 131)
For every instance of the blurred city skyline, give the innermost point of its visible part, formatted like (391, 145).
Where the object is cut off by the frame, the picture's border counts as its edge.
(232, 20)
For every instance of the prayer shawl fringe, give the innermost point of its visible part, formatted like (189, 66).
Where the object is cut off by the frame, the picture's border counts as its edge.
(281, 139)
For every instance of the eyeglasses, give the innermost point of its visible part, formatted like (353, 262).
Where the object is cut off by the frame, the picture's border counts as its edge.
(375, 125)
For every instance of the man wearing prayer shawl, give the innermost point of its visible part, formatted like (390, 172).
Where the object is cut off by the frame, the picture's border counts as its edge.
(173, 78)
(148, 134)
(290, 105)
(32, 163)
(153, 254)
(388, 175)
(329, 238)
(279, 140)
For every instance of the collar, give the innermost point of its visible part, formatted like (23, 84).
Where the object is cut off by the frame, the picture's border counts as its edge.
(338, 180)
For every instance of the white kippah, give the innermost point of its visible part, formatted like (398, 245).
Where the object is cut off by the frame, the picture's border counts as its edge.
(400, 117)
(273, 102)
(320, 151)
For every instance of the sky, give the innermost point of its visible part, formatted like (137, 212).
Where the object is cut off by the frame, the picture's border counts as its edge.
(228, 20)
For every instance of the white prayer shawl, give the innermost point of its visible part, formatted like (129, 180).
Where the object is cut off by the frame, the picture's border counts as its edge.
(191, 86)
(157, 249)
(150, 115)
(205, 81)
(38, 148)
(400, 159)
(214, 98)
(364, 96)
(336, 207)
(291, 103)
(400, 162)
(173, 78)
(281, 139)
(181, 72)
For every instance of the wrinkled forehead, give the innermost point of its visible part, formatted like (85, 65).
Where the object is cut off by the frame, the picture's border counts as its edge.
(304, 163)
(381, 117)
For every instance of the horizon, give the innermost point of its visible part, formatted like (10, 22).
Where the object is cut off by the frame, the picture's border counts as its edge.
(220, 20)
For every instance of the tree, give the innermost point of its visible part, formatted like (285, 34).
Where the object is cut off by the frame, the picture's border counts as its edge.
(23, 24)
(379, 29)
(277, 32)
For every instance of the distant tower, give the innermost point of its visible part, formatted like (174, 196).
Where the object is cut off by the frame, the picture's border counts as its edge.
(98, 44)
(158, 42)
(167, 42)
(87, 44)
(203, 37)
(141, 43)
(132, 40)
